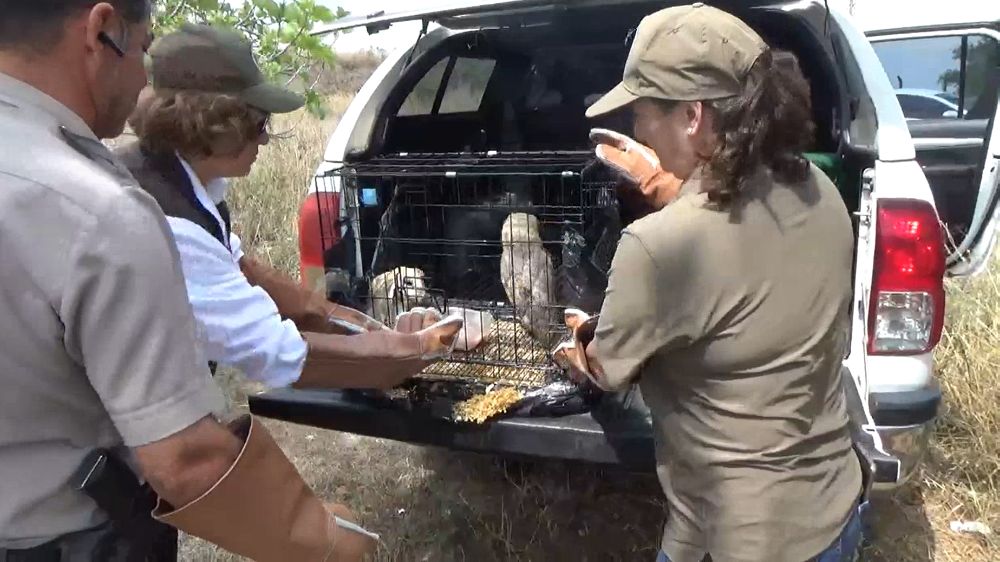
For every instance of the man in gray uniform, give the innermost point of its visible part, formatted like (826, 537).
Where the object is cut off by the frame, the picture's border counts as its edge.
(97, 339)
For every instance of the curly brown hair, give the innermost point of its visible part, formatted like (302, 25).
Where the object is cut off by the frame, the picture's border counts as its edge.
(768, 124)
(195, 124)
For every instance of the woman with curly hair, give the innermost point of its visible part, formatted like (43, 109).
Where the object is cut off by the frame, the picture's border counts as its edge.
(729, 301)
(203, 121)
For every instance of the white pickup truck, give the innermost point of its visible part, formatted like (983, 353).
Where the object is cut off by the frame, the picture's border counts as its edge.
(485, 112)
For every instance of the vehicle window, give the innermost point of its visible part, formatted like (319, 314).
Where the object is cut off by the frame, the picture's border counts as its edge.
(421, 99)
(467, 85)
(923, 107)
(463, 93)
(930, 70)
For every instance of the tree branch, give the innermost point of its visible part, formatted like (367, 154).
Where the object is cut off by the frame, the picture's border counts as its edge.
(246, 19)
(289, 45)
(177, 9)
(319, 75)
(296, 74)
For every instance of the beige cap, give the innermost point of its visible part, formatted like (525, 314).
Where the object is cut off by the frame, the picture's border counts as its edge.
(685, 53)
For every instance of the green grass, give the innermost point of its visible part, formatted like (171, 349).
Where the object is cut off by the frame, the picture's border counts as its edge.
(435, 505)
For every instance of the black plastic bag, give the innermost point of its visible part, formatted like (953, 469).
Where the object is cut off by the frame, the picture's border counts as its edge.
(559, 398)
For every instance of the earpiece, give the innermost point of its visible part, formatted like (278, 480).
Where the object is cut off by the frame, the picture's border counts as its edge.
(109, 42)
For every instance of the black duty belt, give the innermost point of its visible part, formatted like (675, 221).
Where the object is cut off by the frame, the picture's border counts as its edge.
(47, 552)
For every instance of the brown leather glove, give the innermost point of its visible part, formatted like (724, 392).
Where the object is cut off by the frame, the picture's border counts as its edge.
(637, 164)
(378, 360)
(571, 355)
(262, 509)
(310, 310)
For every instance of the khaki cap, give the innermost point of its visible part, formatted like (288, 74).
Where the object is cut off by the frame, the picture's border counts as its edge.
(685, 53)
(211, 59)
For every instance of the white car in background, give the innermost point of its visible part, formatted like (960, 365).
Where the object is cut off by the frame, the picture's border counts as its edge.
(919, 103)
(495, 92)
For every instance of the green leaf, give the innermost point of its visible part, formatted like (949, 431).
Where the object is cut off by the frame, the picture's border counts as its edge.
(270, 7)
(314, 104)
(273, 27)
(293, 14)
(290, 32)
(325, 54)
(324, 14)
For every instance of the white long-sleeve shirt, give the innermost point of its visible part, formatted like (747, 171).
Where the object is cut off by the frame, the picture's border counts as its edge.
(238, 324)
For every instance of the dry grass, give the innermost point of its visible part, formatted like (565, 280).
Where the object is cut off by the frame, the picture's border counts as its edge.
(350, 72)
(961, 479)
(435, 505)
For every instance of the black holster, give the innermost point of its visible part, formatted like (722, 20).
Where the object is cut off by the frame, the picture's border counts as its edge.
(132, 535)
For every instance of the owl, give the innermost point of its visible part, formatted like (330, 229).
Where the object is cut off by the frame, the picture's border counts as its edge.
(395, 292)
(529, 278)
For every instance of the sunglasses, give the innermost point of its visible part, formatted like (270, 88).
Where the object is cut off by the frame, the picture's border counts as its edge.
(263, 124)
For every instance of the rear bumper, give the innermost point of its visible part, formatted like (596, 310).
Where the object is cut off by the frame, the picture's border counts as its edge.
(610, 435)
(904, 422)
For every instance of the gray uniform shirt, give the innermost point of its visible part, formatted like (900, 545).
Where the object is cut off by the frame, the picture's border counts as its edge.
(736, 325)
(97, 340)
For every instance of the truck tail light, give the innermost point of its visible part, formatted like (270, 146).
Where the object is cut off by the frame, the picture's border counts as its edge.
(319, 218)
(906, 312)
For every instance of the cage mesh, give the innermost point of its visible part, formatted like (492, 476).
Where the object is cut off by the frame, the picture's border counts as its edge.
(511, 239)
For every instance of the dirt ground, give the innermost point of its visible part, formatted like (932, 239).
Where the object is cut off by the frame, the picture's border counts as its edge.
(437, 505)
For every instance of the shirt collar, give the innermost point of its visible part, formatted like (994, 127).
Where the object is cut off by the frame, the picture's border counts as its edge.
(215, 190)
(27, 97)
(209, 196)
(694, 184)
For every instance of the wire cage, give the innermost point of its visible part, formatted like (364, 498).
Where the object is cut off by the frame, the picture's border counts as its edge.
(508, 239)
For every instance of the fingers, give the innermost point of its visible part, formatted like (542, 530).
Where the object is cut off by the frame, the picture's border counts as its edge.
(573, 317)
(416, 319)
(430, 316)
(567, 356)
(614, 158)
(404, 323)
(411, 321)
(439, 340)
(352, 543)
(609, 137)
(340, 511)
(561, 355)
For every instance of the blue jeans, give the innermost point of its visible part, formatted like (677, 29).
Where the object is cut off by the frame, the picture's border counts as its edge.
(845, 549)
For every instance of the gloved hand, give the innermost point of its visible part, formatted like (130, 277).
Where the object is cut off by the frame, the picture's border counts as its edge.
(638, 164)
(381, 359)
(353, 543)
(572, 355)
(437, 336)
